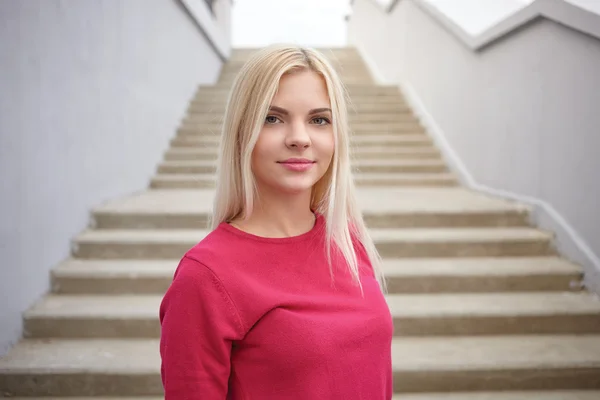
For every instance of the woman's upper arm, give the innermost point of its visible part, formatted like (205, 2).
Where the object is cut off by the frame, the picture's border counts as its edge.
(199, 323)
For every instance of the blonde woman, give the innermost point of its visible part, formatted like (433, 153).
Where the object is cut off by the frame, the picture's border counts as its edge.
(283, 299)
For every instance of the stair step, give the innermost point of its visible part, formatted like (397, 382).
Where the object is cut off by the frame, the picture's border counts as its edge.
(481, 275)
(136, 316)
(126, 367)
(405, 207)
(405, 121)
(402, 243)
(350, 62)
(396, 153)
(207, 181)
(370, 166)
(494, 314)
(391, 99)
(374, 141)
(452, 275)
(382, 208)
(219, 95)
(404, 180)
(183, 154)
(181, 181)
(433, 364)
(356, 67)
(486, 363)
(334, 52)
(203, 99)
(361, 130)
(507, 395)
(353, 89)
(92, 277)
(462, 242)
(89, 316)
(359, 127)
(400, 108)
(346, 78)
(411, 153)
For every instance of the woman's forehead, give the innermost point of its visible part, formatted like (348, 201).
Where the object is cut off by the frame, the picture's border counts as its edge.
(303, 88)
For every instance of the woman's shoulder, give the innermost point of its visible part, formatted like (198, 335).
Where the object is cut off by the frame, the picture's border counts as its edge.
(213, 250)
(211, 263)
(226, 253)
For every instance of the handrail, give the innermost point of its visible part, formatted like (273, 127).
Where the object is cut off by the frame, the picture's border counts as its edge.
(390, 7)
(560, 11)
(212, 42)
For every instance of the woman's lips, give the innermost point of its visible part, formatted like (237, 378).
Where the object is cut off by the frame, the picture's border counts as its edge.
(297, 164)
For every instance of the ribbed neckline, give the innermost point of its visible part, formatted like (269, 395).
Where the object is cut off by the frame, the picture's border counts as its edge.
(317, 227)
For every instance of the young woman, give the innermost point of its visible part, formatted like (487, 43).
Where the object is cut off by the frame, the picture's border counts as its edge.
(283, 299)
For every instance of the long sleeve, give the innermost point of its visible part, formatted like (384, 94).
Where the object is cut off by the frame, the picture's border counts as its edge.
(199, 322)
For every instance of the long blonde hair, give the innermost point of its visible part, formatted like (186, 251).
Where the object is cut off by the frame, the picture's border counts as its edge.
(333, 196)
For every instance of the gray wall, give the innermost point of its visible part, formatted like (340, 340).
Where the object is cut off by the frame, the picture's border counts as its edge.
(520, 116)
(91, 92)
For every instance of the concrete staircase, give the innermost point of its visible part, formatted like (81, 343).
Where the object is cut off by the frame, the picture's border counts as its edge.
(483, 306)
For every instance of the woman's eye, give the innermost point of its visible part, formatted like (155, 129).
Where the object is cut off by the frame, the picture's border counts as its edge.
(271, 119)
(321, 121)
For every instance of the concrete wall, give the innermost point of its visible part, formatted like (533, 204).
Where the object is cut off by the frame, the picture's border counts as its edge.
(475, 16)
(519, 117)
(91, 92)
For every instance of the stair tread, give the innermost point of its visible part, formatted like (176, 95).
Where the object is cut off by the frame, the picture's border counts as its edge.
(474, 353)
(371, 200)
(356, 151)
(493, 304)
(49, 356)
(400, 109)
(356, 163)
(516, 395)
(219, 103)
(116, 268)
(350, 87)
(479, 266)
(85, 306)
(403, 117)
(371, 175)
(358, 139)
(414, 235)
(141, 356)
(458, 234)
(393, 267)
(135, 307)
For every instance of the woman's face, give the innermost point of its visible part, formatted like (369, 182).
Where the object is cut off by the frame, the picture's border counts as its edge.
(296, 144)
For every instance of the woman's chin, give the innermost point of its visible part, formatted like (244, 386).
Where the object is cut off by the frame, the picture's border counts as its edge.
(295, 185)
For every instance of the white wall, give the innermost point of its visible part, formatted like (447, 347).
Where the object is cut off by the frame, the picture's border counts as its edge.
(520, 116)
(319, 23)
(590, 5)
(91, 92)
(475, 16)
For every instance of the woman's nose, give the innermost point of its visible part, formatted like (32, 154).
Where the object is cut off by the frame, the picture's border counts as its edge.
(298, 137)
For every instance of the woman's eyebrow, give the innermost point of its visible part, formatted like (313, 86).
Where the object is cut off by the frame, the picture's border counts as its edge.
(311, 112)
(279, 110)
(319, 110)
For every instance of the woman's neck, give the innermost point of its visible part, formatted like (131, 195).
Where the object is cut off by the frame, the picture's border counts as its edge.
(279, 216)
